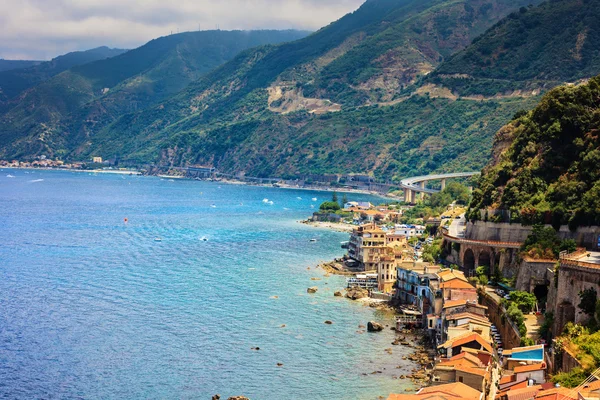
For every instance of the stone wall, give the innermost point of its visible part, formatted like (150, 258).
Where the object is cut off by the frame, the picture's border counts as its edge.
(569, 361)
(508, 332)
(532, 273)
(572, 279)
(585, 236)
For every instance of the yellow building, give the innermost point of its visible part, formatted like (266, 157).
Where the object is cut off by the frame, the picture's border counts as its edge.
(97, 160)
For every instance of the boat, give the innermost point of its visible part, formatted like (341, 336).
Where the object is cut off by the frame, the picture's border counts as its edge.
(213, 206)
(204, 239)
(314, 199)
(345, 244)
(10, 176)
(313, 240)
(157, 239)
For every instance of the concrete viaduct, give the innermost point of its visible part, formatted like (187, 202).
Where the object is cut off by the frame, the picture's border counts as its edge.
(416, 184)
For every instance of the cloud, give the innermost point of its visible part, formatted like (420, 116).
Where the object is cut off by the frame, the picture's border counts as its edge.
(42, 29)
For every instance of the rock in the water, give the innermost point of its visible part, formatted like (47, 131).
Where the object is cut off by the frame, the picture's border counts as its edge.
(373, 326)
(356, 293)
(238, 398)
(282, 325)
(255, 348)
(315, 279)
(216, 397)
(337, 293)
(312, 289)
(279, 364)
(328, 322)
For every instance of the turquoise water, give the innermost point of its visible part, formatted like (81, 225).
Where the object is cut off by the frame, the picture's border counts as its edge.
(93, 307)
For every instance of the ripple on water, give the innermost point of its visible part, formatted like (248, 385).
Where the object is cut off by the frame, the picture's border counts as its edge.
(93, 307)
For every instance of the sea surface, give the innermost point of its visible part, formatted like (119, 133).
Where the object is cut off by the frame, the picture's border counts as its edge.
(93, 307)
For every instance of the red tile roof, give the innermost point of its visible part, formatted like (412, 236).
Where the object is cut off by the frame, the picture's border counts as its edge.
(529, 368)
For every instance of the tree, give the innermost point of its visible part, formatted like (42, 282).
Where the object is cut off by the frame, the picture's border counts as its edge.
(525, 301)
(344, 199)
(329, 206)
(587, 301)
(334, 197)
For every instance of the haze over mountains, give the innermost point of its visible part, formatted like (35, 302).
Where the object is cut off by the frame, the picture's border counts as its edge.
(395, 88)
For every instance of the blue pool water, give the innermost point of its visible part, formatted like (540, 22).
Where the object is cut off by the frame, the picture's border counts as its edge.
(93, 307)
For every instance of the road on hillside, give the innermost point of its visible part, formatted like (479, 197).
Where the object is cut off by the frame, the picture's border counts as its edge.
(457, 227)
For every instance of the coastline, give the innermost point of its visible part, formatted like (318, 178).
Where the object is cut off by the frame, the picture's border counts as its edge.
(332, 226)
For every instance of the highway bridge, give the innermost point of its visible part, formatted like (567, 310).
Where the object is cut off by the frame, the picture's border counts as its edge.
(416, 184)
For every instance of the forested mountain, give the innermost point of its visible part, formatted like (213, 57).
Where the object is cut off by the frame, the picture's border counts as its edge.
(16, 80)
(359, 95)
(45, 118)
(275, 110)
(7, 65)
(545, 164)
(534, 48)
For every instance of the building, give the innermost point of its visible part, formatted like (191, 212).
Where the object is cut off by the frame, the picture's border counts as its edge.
(97, 160)
(449, 391)
(519, 356)
(455, 346)
(464, 368)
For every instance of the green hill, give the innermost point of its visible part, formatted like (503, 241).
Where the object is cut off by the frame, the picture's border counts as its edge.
(533, 49)
(327, 103)
(7, 65)
(545, 165)
(48, 117)
(16, 80)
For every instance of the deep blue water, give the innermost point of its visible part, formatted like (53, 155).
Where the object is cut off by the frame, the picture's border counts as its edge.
(93, 307)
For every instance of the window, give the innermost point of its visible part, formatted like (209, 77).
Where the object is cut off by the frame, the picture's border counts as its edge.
(460, 379)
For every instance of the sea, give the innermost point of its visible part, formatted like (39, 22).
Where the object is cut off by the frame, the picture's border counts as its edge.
(134, 287)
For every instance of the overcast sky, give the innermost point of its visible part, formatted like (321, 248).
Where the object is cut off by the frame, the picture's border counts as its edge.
(43, 29)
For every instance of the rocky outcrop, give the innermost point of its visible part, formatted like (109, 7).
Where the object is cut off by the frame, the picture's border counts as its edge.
(238, 398)
(356, 293)
(338, 293)
(312, 289)
(373, 326)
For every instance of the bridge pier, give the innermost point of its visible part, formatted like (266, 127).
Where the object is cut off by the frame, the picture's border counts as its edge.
(443, 184)
(422, 195)
(408, 195)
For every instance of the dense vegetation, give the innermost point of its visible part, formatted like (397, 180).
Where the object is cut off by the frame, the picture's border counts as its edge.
(15, 81)
(7, 65)
(543, 242)
(59, 116)
(226, 119)
(533, 48)
(437, 203)
(545, 168)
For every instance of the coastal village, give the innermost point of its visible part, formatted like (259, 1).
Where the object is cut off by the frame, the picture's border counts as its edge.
(492, 314)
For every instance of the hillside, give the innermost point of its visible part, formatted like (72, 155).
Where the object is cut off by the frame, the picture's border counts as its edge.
(16, 80)
(534, 49)
(326, 103)
(83, 97)
(545, 164)
(7, 65)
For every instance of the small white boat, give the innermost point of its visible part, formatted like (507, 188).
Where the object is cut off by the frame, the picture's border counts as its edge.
(299, 198)
(265, 201)
(204, 239)
(312, 240)
(10, 176)
(314, 199)
(213, 206)
(271, 203)
(157, 239)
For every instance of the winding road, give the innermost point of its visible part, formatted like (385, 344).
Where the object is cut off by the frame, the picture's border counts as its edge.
(410, 184)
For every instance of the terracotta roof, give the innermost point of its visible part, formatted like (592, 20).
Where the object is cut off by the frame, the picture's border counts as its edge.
(467, 338)
(524, 393)
(507, 379)
(448, 274)
(591, 386)
(454, 303)
(471, 370)
(529, 368)
(463, 358)
(467, 314)
(449, 391)
(456, 283)
(557, 394)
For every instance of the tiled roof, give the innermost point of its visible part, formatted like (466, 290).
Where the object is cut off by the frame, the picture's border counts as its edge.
(467, 338)
(471, 370)
(507, 379)
(524, 393)
(529, 368)
(471, 315)
(449, 391)
(454, 303)
(456, 283)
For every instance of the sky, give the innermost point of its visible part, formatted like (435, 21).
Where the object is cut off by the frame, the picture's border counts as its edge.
(43, 29)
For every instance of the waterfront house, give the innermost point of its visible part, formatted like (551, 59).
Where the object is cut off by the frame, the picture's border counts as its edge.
(455, 346)
(463, 322)
(449, 391)
(465, 368)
